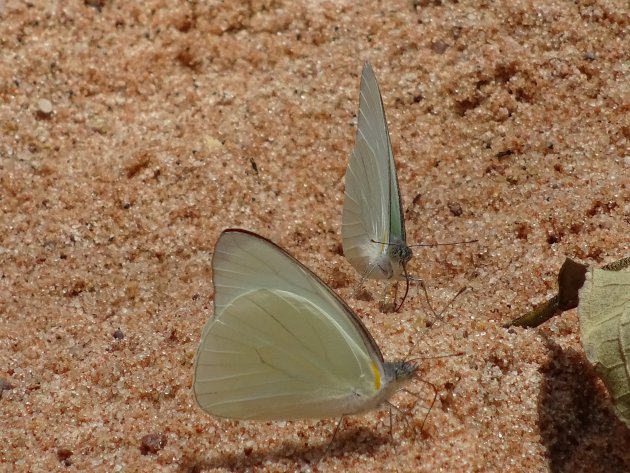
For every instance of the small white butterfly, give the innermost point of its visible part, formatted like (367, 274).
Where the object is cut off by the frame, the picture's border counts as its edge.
(373, 227)
(604, 311)
(282, 345)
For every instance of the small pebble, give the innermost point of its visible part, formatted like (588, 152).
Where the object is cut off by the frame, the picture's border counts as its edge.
(5, 385)
(64, 454)
(118, 334)
(152, 443)
(44, 107)
(455, 208)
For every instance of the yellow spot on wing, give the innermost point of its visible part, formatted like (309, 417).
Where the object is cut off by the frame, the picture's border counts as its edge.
(377, 376)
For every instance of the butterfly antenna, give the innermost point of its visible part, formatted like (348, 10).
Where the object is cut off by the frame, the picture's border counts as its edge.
(433, 357)
(451, 243)
(444, 244)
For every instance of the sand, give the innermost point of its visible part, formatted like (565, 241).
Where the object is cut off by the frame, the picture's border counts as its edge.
(133, 134)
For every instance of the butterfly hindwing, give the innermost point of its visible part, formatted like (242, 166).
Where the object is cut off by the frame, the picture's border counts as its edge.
(281, 345)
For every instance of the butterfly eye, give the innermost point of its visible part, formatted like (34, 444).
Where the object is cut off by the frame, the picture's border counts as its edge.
(404, 254)
(405, 370)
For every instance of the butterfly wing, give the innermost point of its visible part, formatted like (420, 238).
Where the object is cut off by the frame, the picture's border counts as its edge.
(281, 345)
(604, 311)
(372, 216)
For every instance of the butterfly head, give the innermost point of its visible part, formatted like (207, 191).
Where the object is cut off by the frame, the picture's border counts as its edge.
(405, 370)
(402, 371)
(401, 253)
(396, 375)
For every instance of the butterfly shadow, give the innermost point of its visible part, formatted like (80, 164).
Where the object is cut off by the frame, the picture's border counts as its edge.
(577, 424)
(351, 441)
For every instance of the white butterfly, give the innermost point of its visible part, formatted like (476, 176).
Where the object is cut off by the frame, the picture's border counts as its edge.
(282, 345)
(373, 227)
(604, 311)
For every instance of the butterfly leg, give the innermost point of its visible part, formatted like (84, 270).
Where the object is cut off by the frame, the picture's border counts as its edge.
(426, 293)
(364, 277)
(332, 439)
(385, 306)
(360, 291)
(403, 414)
(337, 427)
(391, 435)
(461, 291)
(435, 394)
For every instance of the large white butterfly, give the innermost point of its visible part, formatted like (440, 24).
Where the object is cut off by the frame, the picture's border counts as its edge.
(373, 226)
(282, 345)
(604, 311)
